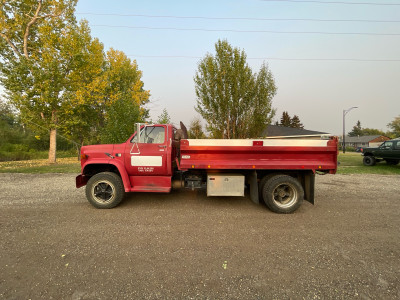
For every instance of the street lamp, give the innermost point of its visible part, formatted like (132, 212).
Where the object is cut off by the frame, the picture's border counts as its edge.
(345, 111)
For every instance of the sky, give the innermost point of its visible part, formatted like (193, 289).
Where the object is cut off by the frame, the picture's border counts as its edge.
(318, 72)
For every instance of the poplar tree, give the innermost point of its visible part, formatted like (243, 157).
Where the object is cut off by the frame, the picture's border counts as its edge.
(196, 130)
(234, 101)
(395, 126)
(37, 57)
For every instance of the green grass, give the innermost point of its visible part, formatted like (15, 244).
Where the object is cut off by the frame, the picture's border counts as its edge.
(63, 165)
(352, 163)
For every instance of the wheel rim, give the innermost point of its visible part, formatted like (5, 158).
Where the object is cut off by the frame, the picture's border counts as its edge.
(367, 160)
(103, 191)
(284, 195)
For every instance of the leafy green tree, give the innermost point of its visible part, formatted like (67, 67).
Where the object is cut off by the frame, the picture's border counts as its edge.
(395, 127)
(121, 118)
(10, 131)
(357, 130)
(6, 114)
(84, 93)
(164, 117)
(234, 101)
(372, 131)
(196, 130)
(123, 98)
(37, 58)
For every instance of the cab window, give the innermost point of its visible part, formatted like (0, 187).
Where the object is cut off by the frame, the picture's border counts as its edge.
(386, 145)
(151, 135)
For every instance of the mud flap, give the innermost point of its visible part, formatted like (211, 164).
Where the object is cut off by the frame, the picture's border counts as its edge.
(309, 187)
(81, 181)
(254, 187)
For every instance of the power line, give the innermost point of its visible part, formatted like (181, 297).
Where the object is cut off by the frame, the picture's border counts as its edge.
(335, 2)
(239, 18)
(248, 31)
(274, 58)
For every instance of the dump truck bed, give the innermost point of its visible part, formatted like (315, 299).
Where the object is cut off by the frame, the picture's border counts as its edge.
(277, 154)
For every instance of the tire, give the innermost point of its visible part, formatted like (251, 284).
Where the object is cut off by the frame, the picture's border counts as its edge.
(262, 183)
(283, 194)
(392, 162)
(105, 190)
(369, 161)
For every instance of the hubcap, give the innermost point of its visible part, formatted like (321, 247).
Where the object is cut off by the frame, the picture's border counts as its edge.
(284, 195)
(103, 191)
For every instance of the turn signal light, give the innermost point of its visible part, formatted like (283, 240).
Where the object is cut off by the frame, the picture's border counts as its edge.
(84, 156)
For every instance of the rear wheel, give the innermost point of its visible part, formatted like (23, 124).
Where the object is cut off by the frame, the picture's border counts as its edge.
(369, 161)
(105, 190)
(283, 194)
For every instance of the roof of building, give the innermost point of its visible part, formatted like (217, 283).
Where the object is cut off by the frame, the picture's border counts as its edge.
(276, 130)
(362, 139)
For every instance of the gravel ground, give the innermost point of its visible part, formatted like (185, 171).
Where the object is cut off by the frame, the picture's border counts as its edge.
(55, 245)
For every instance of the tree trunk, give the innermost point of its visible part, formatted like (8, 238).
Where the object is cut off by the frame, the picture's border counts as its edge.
(53, 146)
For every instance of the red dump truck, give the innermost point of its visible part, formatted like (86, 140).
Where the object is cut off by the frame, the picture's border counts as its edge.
(280, 172)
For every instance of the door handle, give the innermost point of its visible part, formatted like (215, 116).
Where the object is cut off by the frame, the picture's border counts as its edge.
(162, 146)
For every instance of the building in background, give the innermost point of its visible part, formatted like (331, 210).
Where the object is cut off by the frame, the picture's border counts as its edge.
(365, 141)
(282, 132)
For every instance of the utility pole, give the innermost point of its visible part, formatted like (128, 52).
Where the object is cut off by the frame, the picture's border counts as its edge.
(345, 111)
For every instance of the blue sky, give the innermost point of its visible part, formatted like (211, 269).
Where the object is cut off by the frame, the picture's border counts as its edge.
(317, 91)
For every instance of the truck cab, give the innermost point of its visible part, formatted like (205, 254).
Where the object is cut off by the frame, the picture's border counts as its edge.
(388, 151)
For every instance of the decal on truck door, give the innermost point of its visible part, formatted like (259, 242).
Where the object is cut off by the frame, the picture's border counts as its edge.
(146, 161)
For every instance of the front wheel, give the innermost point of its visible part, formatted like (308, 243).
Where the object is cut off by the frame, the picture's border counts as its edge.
(283, 194)
(369, 161)
(105, 190)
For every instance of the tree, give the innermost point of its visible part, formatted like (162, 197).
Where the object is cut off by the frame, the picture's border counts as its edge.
(357, 130)
(285, 119)
(121, 118)
(84, 86)
(196, 130)
(6, 114)
(371, 131)
(295, 122)
(164, 118)
(234, 101)
(36, 61)
(395, 126)
(288, 121)
(123, 98)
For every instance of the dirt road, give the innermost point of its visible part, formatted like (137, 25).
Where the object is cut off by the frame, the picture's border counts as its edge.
(183, 245)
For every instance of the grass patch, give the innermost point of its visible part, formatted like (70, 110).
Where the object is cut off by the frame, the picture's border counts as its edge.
(352, 163)
(63, 165)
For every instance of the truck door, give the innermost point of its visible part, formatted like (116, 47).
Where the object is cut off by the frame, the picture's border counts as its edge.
(385, 150)
(396, 150)
(148, 156)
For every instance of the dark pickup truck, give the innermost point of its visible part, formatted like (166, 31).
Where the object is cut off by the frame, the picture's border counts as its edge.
(388, 151)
